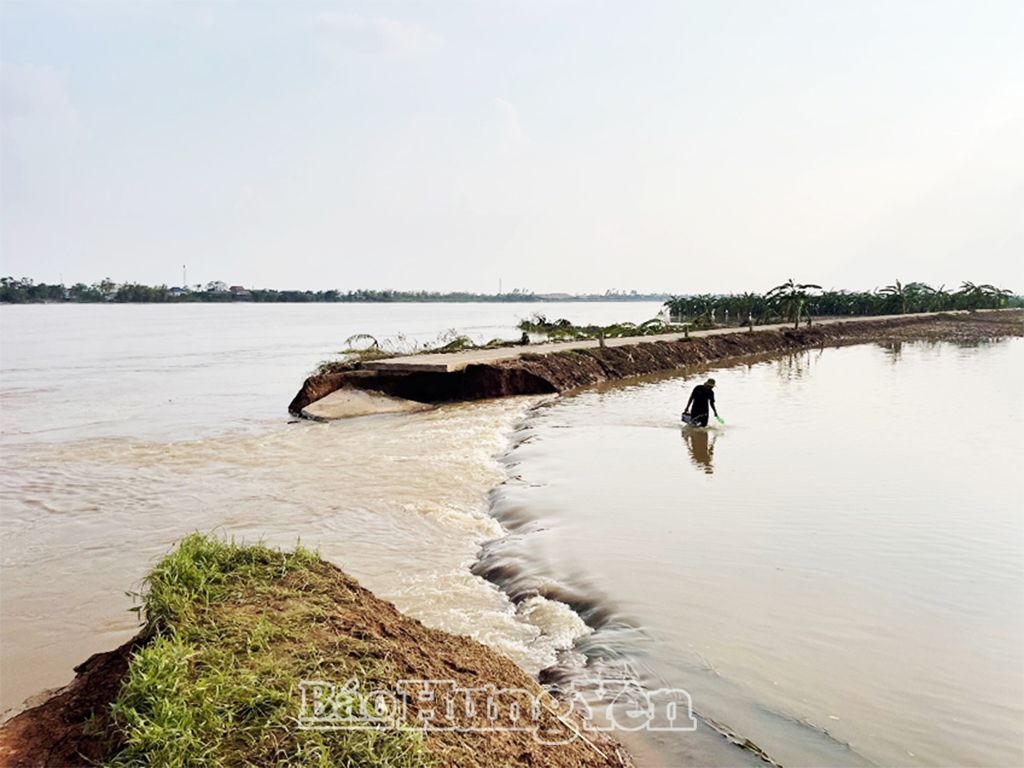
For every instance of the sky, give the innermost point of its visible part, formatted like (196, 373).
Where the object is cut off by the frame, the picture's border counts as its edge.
(551, 145)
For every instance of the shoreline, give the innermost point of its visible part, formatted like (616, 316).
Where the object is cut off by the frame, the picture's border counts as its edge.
(234, 637)
(559, 368)
(518, 581)
(104, 666)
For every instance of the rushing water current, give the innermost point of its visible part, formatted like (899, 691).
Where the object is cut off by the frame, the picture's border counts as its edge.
(836, 574)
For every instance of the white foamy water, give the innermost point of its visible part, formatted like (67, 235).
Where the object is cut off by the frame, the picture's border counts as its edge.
(399, 502)
(127, 427)
(836, 574)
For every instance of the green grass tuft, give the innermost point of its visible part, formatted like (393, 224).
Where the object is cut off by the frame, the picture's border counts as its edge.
(234, 629)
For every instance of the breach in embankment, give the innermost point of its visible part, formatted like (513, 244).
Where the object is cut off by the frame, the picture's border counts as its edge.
(408, 383)
(252, 656)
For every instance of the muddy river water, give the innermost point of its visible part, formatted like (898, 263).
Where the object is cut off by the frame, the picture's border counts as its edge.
(836, 574)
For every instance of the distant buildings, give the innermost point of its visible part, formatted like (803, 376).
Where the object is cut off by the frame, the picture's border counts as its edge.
(217, 288)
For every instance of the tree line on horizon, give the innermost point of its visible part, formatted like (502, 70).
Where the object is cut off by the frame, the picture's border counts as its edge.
(27, 291)
(790, 301)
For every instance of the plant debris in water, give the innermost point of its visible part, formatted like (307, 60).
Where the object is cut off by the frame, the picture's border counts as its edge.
(362, 347)
(564, 330)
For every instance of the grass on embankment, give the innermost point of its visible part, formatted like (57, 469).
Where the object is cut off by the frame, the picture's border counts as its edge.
(234, 631)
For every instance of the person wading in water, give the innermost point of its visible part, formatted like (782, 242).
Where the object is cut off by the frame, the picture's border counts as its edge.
(696, 412)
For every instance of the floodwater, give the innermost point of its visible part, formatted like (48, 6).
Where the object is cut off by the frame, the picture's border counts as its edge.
(126, 427)
(836, 574)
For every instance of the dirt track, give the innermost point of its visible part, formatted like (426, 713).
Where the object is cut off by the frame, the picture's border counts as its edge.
(537, 370)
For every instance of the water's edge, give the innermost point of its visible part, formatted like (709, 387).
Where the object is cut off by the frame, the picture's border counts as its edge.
(596, 613)
(539, 371)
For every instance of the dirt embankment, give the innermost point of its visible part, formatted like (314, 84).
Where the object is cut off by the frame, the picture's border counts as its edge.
(69, 726)
(537, 372)
(218, 679)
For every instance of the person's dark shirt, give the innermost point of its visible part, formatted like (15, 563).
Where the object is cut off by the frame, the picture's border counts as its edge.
(703, 395)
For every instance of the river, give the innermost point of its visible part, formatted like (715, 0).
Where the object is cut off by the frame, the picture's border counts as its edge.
(835, 574)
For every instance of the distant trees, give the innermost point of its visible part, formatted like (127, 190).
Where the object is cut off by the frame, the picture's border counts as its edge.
(25, 290)
(790, 301)
(897, 294)
(791, 297)
(84, 293)
(138, 293)
(972, 296)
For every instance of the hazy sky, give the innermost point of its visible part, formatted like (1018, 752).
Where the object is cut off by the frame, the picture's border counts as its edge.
(560, 146)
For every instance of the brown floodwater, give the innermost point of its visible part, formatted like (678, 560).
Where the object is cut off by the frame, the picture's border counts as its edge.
(835, 574)
(123, 428)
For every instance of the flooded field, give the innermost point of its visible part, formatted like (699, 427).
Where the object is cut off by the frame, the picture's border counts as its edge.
(835, 574)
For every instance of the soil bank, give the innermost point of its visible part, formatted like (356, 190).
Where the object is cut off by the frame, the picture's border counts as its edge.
(216, 676)
(535, 372)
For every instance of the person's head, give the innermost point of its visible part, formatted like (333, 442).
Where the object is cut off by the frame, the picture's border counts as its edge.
(709, 383)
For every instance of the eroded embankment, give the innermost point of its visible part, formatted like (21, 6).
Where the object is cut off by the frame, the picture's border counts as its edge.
(217, 679)
(534, 373)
